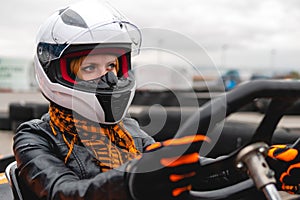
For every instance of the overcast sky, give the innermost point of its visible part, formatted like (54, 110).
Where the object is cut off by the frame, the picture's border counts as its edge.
(235, 33)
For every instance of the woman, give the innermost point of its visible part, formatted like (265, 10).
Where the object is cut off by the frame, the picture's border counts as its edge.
(86, 147)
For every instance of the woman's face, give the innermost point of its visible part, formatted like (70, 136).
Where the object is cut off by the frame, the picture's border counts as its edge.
(95, 66)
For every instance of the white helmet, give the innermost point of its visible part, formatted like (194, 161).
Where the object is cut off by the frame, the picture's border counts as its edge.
(85, 28)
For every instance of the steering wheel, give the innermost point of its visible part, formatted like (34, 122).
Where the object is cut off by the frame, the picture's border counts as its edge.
(283, 93)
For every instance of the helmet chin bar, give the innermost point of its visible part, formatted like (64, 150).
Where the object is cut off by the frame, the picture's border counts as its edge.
(112, 94)
(114, 105)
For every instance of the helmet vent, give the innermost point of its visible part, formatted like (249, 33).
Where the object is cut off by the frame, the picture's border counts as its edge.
(72, 18)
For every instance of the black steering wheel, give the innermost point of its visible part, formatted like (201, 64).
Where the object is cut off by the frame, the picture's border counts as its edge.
(283, 94)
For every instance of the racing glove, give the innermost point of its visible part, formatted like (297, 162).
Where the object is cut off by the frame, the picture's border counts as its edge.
(165, 170)
(285, 161)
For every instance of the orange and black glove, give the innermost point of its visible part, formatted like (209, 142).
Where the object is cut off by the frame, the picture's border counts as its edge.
(165, 170)
(285, 161)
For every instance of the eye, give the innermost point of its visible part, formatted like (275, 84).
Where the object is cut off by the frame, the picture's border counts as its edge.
(111, 66)
(88, 68)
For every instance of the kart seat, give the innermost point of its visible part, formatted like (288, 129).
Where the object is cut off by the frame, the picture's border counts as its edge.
(11, 175)
(19, 189)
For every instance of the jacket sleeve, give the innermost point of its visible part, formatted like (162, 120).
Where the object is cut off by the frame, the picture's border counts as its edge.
(49, 178)
(140, 137)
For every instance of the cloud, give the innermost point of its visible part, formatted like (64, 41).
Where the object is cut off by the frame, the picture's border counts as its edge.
(244, 26)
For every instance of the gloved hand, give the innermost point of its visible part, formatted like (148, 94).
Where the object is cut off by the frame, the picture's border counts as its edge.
(285, 161)
(165, 170)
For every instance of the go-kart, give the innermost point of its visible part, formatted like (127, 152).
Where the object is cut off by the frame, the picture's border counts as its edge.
(240, 171)
(249, 156)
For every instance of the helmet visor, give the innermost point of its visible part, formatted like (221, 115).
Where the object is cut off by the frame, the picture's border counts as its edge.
(94, 67)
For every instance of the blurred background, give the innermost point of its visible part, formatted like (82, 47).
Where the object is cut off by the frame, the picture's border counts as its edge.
(245, 40)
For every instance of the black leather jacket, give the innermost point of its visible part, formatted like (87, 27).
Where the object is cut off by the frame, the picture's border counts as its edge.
(40, 159)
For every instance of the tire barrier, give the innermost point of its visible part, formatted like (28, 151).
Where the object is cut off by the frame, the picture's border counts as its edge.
(5, 121)
(21, 112)
(234, 134)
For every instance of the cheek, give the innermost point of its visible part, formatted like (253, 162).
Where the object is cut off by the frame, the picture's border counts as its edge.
(98, 72)
(86, 76)
(91, 76)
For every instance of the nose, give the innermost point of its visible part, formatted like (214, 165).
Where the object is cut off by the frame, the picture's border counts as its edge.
(101, 71)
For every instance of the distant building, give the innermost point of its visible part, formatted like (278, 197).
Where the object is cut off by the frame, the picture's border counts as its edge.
(17, 74)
